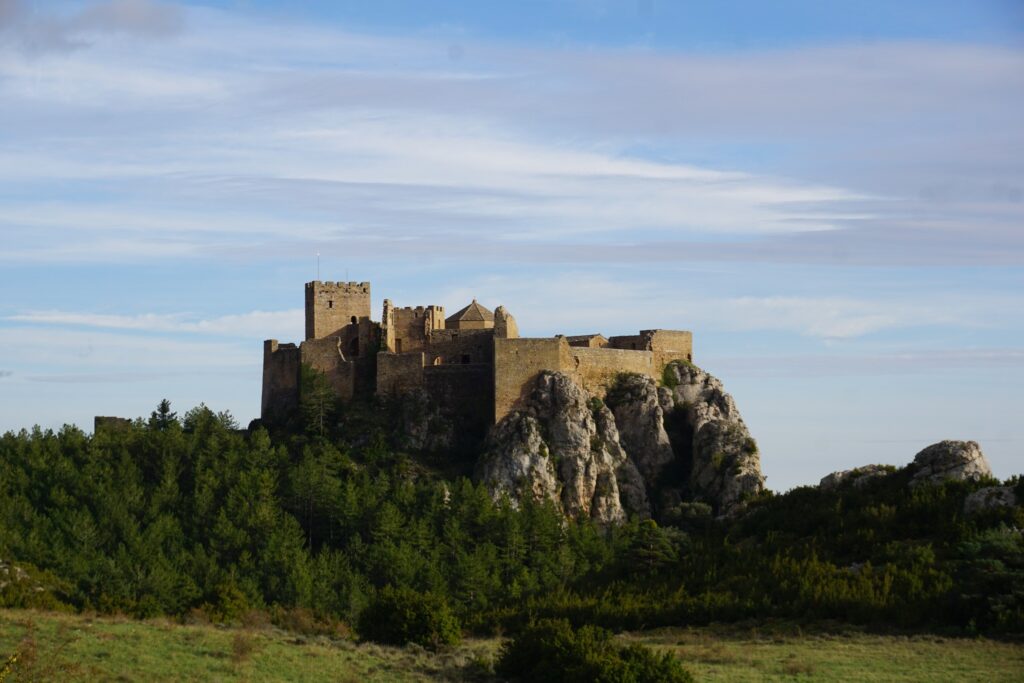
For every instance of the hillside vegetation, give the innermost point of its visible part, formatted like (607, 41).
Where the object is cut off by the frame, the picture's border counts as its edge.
(194, 518)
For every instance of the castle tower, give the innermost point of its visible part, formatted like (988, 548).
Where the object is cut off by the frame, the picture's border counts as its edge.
(332, 306)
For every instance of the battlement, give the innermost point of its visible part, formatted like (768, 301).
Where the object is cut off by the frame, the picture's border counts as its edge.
(343, 287)
(333, 306)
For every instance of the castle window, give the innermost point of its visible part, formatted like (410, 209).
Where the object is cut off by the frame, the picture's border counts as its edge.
(354, 320)
(438, 360)
(466, 359)
(330, 304)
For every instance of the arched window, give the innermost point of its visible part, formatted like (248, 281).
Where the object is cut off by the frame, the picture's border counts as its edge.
(438, 360)
(355, 320)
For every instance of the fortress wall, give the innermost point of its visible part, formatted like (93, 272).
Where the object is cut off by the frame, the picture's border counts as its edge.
(453, 346)
(398, 373)
(281, 363)
(669, 345)
(517, 361)
(465, 393)
(597, 369)
(326, 356)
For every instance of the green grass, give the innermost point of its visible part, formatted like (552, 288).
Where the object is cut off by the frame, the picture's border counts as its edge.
(66, 647)
(784, 653)
(69, 647)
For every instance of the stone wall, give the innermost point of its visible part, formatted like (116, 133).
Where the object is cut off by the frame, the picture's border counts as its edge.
(669, 345)
(330, 306)
(281, 363)
(326, 356)
(408, 328)
(517, 361)
(596, 369)
(460, 347)
(398, 373)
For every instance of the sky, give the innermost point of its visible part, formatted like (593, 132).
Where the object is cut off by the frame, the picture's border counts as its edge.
(829, 195)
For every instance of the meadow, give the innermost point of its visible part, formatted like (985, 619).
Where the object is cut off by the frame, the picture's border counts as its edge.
(70, 647)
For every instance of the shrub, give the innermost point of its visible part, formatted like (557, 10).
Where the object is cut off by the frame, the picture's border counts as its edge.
(397, 616)
(552, 651)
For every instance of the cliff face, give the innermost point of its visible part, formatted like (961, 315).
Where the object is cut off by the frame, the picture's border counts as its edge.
(644, 452)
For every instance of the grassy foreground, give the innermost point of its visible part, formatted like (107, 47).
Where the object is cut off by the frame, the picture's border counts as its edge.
(79, 648)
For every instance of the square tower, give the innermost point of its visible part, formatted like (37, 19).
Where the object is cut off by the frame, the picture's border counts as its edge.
(332, 306)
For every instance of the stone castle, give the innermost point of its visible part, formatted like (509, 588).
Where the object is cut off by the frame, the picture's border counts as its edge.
(472, 364)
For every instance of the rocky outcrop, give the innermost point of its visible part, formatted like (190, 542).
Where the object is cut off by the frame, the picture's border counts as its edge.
(959, 460)
(640, 419)
(609, 459)
(563, 445)
(858, 476)
(989, 498)
(726, 467)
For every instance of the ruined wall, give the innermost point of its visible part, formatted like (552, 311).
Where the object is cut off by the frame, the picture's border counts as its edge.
(399, 373)
(281, 363)
(410, 327)
(590, 341)
(460, 346)
(330, 306)
(596, 369)
(517, 362)
(505, 324)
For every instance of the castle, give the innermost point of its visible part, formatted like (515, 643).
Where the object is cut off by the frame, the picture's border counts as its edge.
(472, 364)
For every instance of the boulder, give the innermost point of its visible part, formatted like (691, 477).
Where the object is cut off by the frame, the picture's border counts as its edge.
(563, 445)
(989, 498)
(959, 460)
(858, 476)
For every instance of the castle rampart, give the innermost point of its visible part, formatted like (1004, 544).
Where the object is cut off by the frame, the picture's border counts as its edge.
(472, 365)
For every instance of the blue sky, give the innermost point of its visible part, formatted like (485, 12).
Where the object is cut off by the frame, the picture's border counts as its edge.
(830, 195)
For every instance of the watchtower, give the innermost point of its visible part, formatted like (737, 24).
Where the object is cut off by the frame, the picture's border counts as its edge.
(332, 306)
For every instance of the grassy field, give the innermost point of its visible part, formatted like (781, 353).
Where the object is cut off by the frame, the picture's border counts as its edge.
(82, 648)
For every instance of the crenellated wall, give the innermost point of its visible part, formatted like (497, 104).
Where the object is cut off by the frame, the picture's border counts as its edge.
(330, 306)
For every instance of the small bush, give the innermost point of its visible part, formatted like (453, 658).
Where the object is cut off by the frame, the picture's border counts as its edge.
(397, 616)
(552, 651)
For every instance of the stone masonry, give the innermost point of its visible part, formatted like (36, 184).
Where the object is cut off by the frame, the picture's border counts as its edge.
(472, 364)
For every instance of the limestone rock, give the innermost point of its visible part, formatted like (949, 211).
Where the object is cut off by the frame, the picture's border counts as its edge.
(858, 475)
(564, 446)
(640, 417)
(726, 466)
(989, 498)
(960, 460)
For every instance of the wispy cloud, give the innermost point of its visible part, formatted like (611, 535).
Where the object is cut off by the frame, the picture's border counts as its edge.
(311, 139)
(255, 324)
